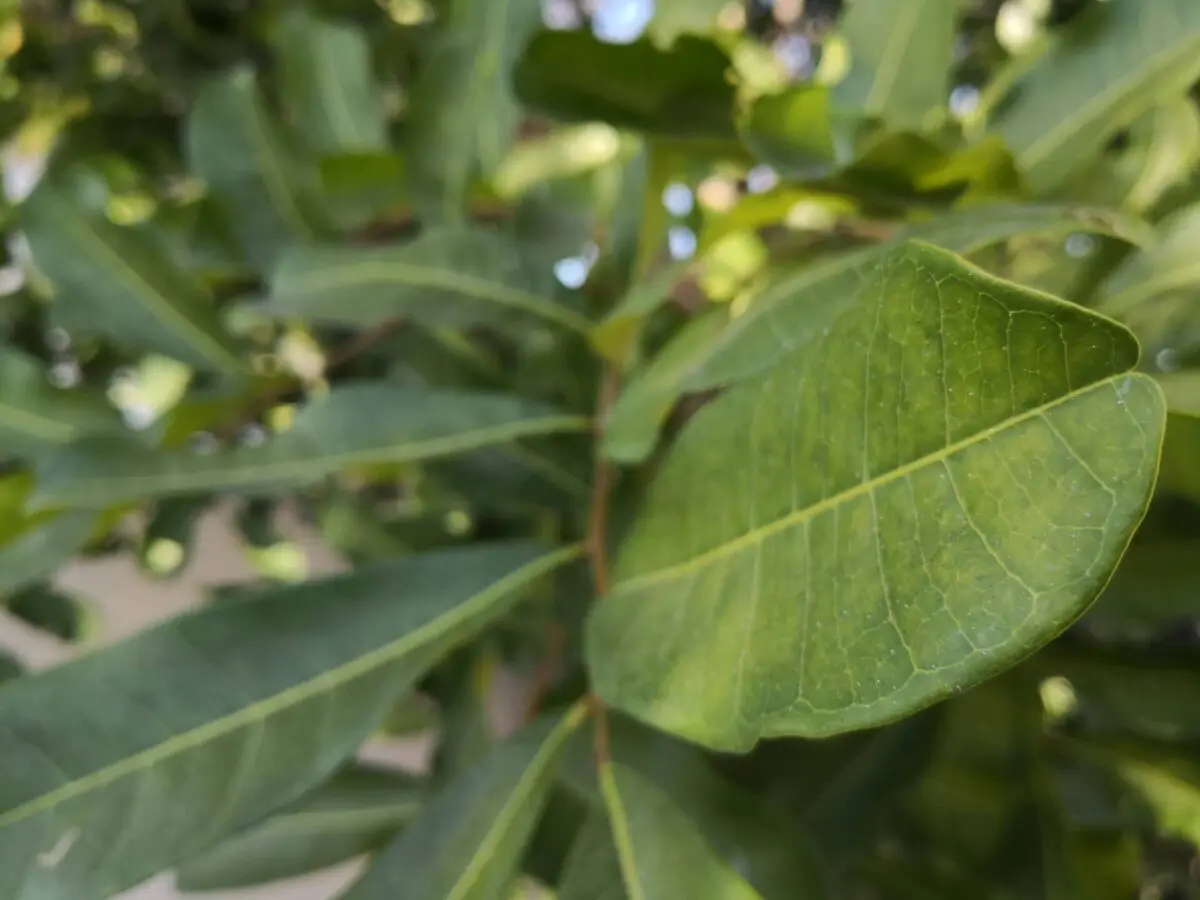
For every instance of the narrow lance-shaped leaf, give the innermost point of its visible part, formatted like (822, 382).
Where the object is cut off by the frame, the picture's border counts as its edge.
(1167, 265)
(358, 424)
(462, 111)
(121, 284)
(900, 59)
(327, 86)
(847, 552)
(35, 416)
(442, 278)
(661, 854)
(252, 702)
(1115, 61)
(268, 192)
(717, 349)
(357, 811)
(467, 844)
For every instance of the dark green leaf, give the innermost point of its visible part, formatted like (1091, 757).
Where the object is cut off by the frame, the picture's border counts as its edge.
(792, 132)
(1180, 469)
(681, 92)
(251, 702)
(592, 870)
(45, 544)
(357, 811)
(1158, 582)
(328, 88)
(1115, 61)
(900, 59)
(444, 277)
(268, 192)
(824, 590)
(119, 283)
(469, 840)
(355, 425)
(49, 610)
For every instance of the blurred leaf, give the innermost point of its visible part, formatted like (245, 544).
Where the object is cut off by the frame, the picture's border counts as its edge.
(9, 667)
(951, 464)
(1179, 471)
(593, 870)
(1114, 62)
(563, 153)
(660, 852)
(167, 541)
(1168, 144)
(363, 187)
(46, 609)
(357, 811)
(575, 77)
(268, 192)
(717, 348)
(120, 284)
(616, 336)
(468, 841)
(791, 131)
(675, 18)
(901, 55)
(327, 86)
(444, 277)
(1168, 264)
(462, 114)
(35, 416)
(356, 425)
(774, 853)
(1157, 582)
(237, 690)
(44, 545)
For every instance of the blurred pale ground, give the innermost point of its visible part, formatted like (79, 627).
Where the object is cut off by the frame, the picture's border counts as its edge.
(126, 600)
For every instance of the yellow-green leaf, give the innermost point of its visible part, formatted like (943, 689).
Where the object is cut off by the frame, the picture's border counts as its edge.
(875, 525)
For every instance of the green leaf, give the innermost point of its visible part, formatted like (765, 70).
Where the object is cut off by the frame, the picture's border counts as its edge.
(774, 853)
(675, 18)
(565, 152)
(120, 283)
(462, 113)
(355, 425)
(717, 349)
(661, 853)
(357, 811)
(1166, 143)
(1115, 61)
(791, 131)
(34, 416)
(682, 92)
(251, 702)
(268, 192)
(1180, 470)
(616, 337)
(49, 610)
(1157, 583)
(9, 667)
(901, 55)
(849, 515)
(468, 842)
(592, 870)
(1169, 264)
(327, 86)
(447, 277)
(43, 546)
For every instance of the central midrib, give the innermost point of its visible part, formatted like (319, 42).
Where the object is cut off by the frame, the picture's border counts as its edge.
(796, 517)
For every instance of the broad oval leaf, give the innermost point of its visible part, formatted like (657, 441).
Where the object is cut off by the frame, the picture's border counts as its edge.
(660, 851)
(717, 349)
(450, 277)
(357, 424)
(122, 284)
(268, 191)
(468, 842)
(937, 486)
(327, 85)
(34, 416)
(252, 701)
(900, 59)
(1117, 60)
(357, 811)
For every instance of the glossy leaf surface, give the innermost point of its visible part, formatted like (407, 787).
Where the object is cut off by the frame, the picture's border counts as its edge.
(814, 591)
